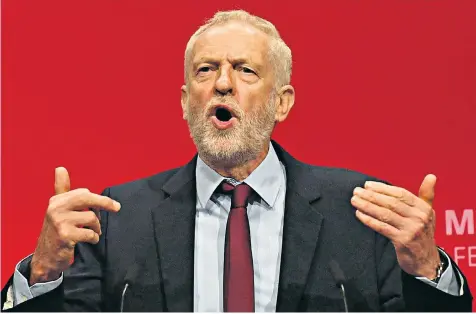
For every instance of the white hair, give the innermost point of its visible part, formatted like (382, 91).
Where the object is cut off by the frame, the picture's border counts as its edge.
(280, 53)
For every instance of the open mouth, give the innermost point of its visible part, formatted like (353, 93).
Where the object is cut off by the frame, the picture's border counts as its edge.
(223, 117)
(223, 114)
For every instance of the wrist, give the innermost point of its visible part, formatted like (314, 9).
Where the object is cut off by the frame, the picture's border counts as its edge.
(431, 270)
(434, 270)
(440, 268)
(39, 273)
(430, 273)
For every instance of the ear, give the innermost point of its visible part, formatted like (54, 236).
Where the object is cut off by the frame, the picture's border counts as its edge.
(184, 101)
(284, 102)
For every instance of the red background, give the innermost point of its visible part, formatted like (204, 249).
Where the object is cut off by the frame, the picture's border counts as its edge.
(383, 87)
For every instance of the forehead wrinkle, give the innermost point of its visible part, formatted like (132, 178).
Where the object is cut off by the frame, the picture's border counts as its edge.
(217, 40)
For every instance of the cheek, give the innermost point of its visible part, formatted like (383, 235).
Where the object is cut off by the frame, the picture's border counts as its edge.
(252, 102)
(252, 97)
(200, 94)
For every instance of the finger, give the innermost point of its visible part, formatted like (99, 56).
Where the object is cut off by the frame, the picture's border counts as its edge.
(385, 201)
(384, 229)
(394, 191)
(96, 212)
(379, 213)
(84, 235)
(427, 189)
(85, 219)
(62, 182)
(80, 199)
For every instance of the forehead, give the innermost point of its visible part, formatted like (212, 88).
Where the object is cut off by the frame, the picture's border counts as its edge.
(232, 40)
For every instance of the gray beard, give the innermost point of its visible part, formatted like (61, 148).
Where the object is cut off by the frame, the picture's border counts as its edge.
(236, 146)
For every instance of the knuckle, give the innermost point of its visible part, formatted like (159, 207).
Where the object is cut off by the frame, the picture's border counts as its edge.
(384, 228)
(53, 206)
(380, 227)
(83, 199)
(91, 217)
(81, 194)
(365, 205)
(95, 221)
(429, 211)
(425, 218)
(394, 203)
(371, 196)
(401, 194)
(55, 219)
(420, 228)
(64, 234)
(385, 218)
(406, 240)
(91, 236)
(52, 199)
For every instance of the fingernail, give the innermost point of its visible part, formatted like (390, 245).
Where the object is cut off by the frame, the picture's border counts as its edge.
(358, 190)
(369, 184)
(354, 199)
(117, 205)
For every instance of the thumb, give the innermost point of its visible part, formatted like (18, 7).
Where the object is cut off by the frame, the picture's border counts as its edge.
(427, 189)
(62, 183)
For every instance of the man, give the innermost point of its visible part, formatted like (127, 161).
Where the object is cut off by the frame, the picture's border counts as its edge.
(244, 226)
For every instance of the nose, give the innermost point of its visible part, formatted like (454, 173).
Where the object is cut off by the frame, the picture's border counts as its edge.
(224, 82)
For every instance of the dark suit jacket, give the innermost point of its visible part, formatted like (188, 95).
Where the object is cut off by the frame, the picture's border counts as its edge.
(155, 232)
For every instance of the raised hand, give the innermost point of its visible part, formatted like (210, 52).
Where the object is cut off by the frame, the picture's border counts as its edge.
(66, 223)
(407, 220)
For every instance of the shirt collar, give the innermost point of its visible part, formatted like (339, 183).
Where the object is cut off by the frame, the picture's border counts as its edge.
(266, 179)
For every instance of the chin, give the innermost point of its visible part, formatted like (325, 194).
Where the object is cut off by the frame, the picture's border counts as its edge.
(226, 148)
(225, 152)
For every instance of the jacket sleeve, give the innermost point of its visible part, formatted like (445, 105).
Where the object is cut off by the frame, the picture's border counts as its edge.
(400, 291)
(81, 289)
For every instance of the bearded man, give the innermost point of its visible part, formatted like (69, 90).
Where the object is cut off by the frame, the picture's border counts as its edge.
(243, 226)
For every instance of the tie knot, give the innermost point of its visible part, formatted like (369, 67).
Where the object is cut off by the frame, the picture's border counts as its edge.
(240, 195)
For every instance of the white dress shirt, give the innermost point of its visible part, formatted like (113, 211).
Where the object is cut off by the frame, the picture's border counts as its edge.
(265, 215)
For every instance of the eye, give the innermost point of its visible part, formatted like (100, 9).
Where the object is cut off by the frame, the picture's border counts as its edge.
(204, 69)
(246, 70)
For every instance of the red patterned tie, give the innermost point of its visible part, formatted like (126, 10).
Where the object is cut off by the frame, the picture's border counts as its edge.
(238, 280)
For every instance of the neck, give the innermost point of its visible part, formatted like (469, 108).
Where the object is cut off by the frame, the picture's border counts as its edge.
(241, 172)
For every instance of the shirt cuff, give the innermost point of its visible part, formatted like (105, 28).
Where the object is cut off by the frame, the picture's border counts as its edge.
(448, 282)
(21, 289)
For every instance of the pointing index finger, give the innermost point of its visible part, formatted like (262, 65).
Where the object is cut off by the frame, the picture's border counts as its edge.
(100, 202)
(85, 199)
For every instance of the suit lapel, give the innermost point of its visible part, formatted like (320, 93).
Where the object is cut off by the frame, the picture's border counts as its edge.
(174, 224)
(302, 224)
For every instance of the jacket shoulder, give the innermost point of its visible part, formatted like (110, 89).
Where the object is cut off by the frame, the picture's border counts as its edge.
(337, 179)
(153, 182)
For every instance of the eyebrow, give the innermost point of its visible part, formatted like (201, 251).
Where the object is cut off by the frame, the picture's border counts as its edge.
(238, 60)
